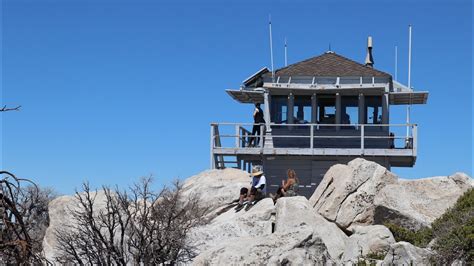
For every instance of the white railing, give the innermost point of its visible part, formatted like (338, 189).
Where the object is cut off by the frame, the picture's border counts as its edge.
(240, 136)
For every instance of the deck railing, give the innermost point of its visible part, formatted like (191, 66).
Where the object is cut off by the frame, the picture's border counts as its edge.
(238, 135)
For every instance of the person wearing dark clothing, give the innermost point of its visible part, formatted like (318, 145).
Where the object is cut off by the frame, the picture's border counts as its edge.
(257, 122)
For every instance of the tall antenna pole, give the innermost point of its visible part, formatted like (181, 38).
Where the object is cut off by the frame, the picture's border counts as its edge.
(409, 56)
(286, 53)
(271, 45)
(396, 62)
(409, 80)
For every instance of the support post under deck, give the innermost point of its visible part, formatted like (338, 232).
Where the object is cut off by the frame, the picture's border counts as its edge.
(212, 159)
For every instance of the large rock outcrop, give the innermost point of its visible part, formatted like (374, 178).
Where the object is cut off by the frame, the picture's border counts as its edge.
(417, 203)
(257, 222)
(350, 200)
(298, 247)
(300, 237)
(215, 188)
(364, 193)
(293, 212)
(346, 193)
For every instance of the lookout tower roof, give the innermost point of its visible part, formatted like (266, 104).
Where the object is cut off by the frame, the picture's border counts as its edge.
(328, 73)
(329, 64)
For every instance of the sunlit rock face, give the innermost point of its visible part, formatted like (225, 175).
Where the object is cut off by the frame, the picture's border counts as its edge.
(346, 193)
(365, 193)
(341, 223)
(417, 203)
(231, 225)
(297, 236)
(215, 188)
(365, 240)
(293, 212)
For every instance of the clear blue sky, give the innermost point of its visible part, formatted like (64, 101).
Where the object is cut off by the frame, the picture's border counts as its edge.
(114, 90)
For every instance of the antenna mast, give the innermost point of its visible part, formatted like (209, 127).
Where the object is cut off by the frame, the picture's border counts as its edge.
(409, 79)
(271, 45)
(409, 56)
(286, 53)
(396, 62)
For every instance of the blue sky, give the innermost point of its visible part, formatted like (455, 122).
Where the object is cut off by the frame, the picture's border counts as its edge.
(114, 90)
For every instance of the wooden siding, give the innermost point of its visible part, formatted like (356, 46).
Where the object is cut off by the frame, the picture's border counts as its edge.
(310, 172)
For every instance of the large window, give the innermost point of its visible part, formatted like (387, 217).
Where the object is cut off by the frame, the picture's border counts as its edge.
(302, 110)
(373, 105)
(350, 110)
(279, 109)
(327, 109)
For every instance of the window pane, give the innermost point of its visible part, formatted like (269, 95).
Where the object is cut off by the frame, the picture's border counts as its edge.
(279, 109)
(302, 109)
(327, 109)
(350, 110)
(373, 109)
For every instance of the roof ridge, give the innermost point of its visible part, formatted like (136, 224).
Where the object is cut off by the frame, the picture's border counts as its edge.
(371, 68)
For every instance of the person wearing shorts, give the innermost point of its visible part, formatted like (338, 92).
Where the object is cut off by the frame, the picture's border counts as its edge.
(258, 189)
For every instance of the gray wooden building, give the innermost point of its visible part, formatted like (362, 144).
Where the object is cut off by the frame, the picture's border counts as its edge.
(321, 111)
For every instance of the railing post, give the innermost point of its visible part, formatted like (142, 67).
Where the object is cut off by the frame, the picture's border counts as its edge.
(237, 135)
(311, 142)
(415, 139)
(245, 137)
(261, 136)
(338, 111)
(212, 159)
(362, 137)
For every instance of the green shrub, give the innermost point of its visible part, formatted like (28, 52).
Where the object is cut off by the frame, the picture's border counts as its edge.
(376, 255)
(419, 238)
(454, 231)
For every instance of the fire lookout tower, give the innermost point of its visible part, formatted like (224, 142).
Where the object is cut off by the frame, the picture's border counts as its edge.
(321, 111)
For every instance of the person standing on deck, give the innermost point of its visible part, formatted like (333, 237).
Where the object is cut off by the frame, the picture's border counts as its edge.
(257, 122)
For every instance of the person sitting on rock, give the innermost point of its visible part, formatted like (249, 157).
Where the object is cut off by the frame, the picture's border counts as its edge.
(289, 188)
(258, 189)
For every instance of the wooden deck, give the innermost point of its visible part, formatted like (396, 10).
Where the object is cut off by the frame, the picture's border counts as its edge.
(312, 145)
(314, 152)
(397, 157)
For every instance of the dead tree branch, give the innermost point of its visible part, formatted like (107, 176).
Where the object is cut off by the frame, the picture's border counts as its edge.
(138, 226)
(6, 109)
(17, 203)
